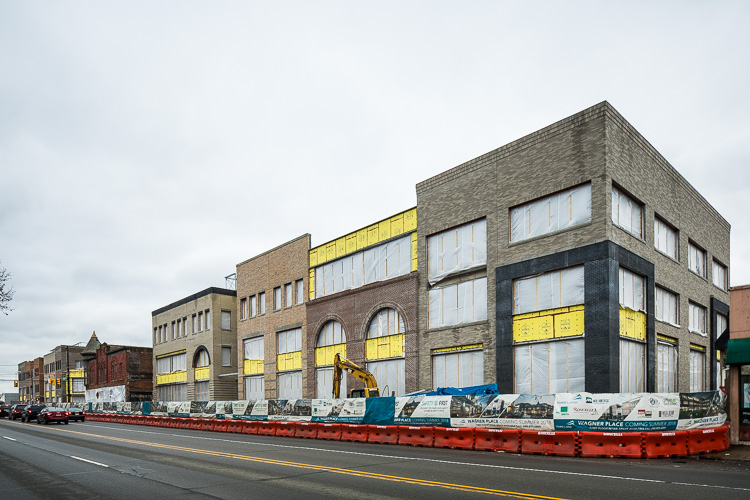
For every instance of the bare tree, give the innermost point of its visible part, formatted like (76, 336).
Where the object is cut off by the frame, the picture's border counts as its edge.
(6, 290)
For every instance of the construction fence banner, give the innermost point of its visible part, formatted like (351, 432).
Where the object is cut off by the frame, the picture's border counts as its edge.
(580, 411)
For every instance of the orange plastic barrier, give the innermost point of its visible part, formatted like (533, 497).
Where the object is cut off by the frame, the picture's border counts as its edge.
(249, 426)
(383, 434)
(266, 428)
(234, 426)
(208, 424)
(354, 432)
(454, 437)
(611, 444)
(329, 431)
(286, 429)
(173, 422)
(708, 440)
(306, 430)
(194, 424)
(562, 443)
(497, 440)
(665, 444)
(416, 436)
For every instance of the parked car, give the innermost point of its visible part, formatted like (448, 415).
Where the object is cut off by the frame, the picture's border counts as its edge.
(4, 410)
(31, 411)
(52, 414)
(76, 414)
(16, 411)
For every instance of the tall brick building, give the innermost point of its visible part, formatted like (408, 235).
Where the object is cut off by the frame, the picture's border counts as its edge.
(577, 258)
(271, 297)
(117, 373)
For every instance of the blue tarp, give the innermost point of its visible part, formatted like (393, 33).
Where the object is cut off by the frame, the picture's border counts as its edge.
(463, 391)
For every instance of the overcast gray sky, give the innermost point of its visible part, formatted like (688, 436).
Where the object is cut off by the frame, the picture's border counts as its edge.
(146, 148)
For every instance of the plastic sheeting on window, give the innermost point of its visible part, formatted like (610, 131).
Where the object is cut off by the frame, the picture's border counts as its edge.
(461, 369)
(378, 263)
(331, 333)
(632, 290)
(666, 365)
(289, 385)
(697, 323)
(171, 364)
(666, 307)
(719, 275)
(390, 375)
(202, 359)
(552, 213)
(254, 348)
(463, 302)
(697, 371)
(665, 239)
(324, 383)
(255, 387)
(456, 250)
(632, 366)
(549, 290)
(114, 394)
(385, 322)
(550, 367)
(696, 260)
(627, 213)
(289, 341)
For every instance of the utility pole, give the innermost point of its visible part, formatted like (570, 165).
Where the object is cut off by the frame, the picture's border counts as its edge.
(68, 399)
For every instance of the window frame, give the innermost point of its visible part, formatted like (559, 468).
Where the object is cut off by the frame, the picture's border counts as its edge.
(695, 250)
(695, 307)
(716, 264)
(659, 290)
(668, 228)
(277, 298)
(621, 193)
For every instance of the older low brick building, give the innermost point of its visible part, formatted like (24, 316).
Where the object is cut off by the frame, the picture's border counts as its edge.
(118, 373)
(31, 380)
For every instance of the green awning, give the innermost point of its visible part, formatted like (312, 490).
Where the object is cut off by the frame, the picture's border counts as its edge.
(738, 352)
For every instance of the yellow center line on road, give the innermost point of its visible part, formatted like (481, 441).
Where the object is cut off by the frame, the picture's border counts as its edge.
(322, 468)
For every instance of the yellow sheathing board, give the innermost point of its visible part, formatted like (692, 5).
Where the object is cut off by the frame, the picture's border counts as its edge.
(372, 235)
(253, 366)
(170, 354)
(289, 361)
(324, 355)
(632, 324)
(76, 373)
(552, 323)
(664, 338)
(311, 284)
(414, 252)
(171, 378)
(202, 373)
(697, 347)
(391, 346)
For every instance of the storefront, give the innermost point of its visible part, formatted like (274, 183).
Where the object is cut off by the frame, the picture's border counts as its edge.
(738, 358)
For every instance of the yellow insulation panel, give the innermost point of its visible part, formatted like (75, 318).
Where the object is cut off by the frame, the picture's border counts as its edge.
(324, 355)
(697, 347)
(414, 252)
(372, 235)
(76, 373)
(550, 324)
(289, 361)
(171, 378)
(311, 284)
(253, 366)
(632, 324)
(202, 373)
(391, 346)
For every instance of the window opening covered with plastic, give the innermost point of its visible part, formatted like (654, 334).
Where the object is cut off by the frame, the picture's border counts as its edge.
(457, 250)
(331, 340)
(458, 369)
(627, 213)
(552, 213)
(464, 302)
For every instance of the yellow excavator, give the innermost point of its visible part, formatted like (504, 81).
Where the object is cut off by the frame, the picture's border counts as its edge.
(340, 364)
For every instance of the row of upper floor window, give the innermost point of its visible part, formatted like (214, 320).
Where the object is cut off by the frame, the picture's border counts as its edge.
(284, 297)
(177, 362)
(196, 323)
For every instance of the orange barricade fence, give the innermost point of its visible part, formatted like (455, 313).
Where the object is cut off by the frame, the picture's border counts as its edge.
(611, 444)
(194, 424)
(234, 426)
(220, 425)
(665, 444)
(250, 427)
(454, 437)
(329, 431)
(416, 436)
(286, 429)
(497, 440)
(266, 428)
(354, 432)
(707, 440)
(563, 443)
(208, 424)
(306, 430)
(173, 422)
(383, 434)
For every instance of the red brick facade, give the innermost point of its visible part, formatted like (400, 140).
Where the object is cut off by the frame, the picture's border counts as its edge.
(122, 365)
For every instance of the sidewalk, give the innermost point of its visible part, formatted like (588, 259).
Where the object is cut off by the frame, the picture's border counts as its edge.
(735, 452)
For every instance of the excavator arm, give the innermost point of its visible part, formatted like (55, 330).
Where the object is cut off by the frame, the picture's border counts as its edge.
(340, 364)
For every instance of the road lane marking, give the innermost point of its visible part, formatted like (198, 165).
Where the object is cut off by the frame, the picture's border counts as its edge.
(320, 468)
(8, 438)
(90, 461)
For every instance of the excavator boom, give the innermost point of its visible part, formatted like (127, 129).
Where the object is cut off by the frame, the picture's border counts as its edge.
(340, 364)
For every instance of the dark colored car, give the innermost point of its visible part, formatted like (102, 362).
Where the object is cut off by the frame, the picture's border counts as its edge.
(16, 411)
(31, 411)
(4, 410)
(52, 414)
(76, 414)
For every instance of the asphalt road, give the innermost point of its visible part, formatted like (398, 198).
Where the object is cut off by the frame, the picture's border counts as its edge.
(104, 460)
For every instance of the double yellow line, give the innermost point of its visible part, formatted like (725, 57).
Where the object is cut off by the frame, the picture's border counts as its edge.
(323, 468)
